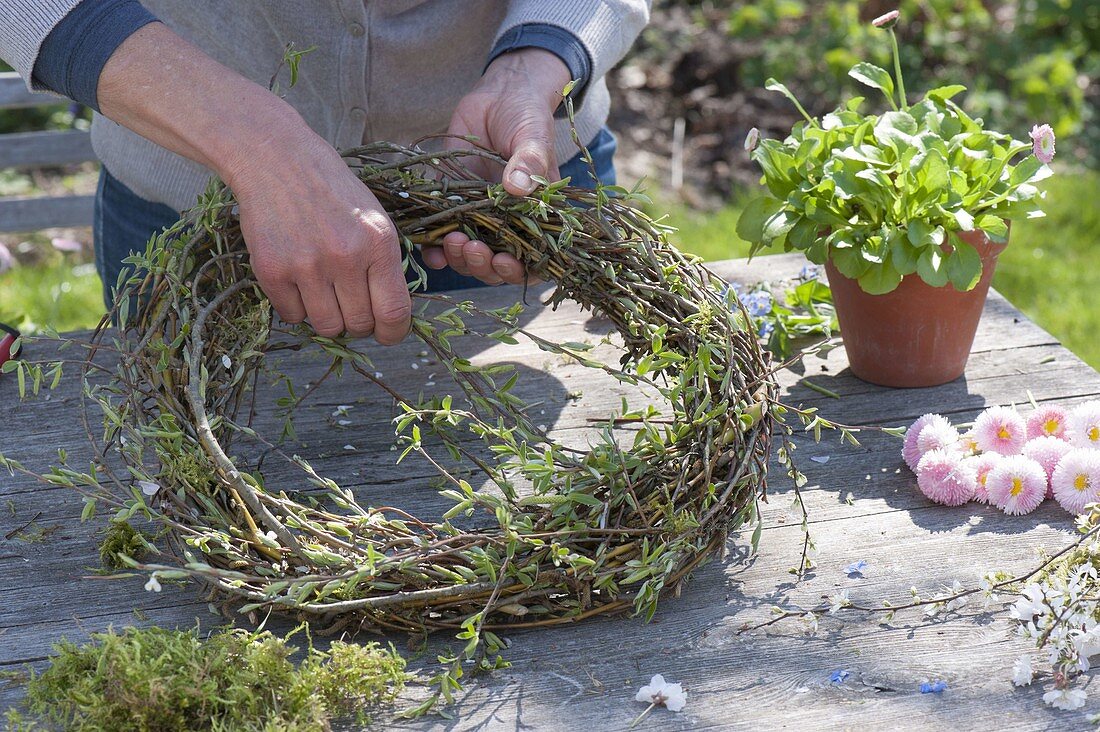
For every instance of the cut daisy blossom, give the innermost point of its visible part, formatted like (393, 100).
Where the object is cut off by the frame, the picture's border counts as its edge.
(1083, 425)
(1047, 421)
(1001, 430)
(1017, 485)
(945, 477)
(914, 447)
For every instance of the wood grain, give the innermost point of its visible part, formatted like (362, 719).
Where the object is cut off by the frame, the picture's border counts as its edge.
(863, 505)
(27, 213)
(14, 94)
(41, 149)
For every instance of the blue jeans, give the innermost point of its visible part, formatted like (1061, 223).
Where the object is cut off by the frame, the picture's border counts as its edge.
(124, 222)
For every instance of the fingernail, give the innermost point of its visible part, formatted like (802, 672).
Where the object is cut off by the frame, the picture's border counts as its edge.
(521, 180)
(475, 259)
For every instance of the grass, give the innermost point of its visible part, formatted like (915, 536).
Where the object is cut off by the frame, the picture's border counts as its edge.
(1044, 272)
(58, 293)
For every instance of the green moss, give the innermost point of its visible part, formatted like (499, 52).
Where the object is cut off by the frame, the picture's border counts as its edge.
(152, 679)
(36, 533)
(187, 468)
(121, 538)
(350, 678)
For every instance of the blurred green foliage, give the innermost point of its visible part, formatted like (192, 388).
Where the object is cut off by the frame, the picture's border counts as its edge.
(60, 116)
(52, 293)
(1024, 61)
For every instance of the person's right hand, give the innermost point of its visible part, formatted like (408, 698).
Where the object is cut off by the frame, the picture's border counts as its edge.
(322, 247)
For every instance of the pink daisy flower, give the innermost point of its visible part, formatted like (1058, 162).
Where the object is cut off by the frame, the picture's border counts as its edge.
(1001, 430)
(1042, 143)
(1083, 425)
(1016, 485)
(752, 139)
(967, 444)
(944, 477)
(915, 446)
(1047, 451)
(1076, 480)
(981, 465)
(886, 20)
(1048, 420)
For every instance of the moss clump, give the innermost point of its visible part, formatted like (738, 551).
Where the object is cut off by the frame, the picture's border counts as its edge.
(154, 680)
(121, 538)
(350, 678)
(179, 466)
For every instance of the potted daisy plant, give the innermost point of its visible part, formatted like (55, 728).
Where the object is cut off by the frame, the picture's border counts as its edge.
(907, 209)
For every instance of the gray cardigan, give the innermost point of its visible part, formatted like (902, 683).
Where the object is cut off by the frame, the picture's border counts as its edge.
(382, 69)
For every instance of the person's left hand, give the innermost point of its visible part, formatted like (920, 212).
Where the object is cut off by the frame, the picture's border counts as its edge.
(510, 111)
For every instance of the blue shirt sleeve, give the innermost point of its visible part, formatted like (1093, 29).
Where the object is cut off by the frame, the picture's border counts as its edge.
(76, 50)
(556, 40)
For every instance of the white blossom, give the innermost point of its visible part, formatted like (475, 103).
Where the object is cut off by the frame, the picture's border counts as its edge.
(838, 601)
(1031, 604)
(1068, 699)
(148, 487)
(1087, 645)
(227, 362)
(660, 692)
(1022, 672)
(958, 602)
(152, 585)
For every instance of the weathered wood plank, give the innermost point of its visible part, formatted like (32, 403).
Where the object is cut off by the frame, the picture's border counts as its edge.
(14, 94)
(22, 213)
(41, 149)
(584, 676)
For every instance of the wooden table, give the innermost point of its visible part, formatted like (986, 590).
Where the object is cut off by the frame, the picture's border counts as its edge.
(863, 506)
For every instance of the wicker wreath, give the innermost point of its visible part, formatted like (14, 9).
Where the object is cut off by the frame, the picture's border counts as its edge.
(570, 534)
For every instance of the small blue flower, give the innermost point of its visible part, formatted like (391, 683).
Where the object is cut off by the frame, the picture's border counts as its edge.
(766, 329)
(810, 272)
(855, 569)
(839, 676)
(758, 303)
(731, 293)
(933, 687)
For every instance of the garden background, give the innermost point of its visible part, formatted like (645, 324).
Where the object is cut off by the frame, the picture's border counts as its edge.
(689, 93)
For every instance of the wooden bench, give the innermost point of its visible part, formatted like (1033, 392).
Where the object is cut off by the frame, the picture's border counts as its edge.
(28, 150)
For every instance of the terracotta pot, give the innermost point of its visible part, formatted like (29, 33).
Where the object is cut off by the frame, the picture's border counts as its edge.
(917, 335)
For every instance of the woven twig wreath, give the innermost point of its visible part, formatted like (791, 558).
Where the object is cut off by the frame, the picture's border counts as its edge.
(570, 533)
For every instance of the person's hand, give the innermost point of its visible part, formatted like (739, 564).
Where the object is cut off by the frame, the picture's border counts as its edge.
(322, 247)
(510, 111)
